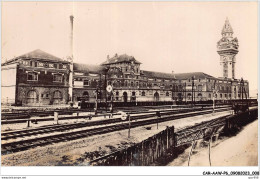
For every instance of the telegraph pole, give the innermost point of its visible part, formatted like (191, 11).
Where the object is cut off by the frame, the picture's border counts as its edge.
(185, 93)
(214, 93)
(192, 90)
(105, 85)
(71, 61)
(96, 101)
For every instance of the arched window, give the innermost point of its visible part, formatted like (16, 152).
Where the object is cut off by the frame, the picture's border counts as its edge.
(143, 93)
(200, 87)
(200, 96)
(31, 96)
(86, 96)
(57, 97)
(167, 93)
(156, 96)
(189, 95)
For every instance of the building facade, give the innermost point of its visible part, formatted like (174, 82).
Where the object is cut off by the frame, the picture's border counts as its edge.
(38, 78)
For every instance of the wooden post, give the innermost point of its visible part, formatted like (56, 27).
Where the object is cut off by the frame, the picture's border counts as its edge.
(174, 138)
(142, 158)
(28, 123)
(129, 125)
(167, 137)
(209, 150)
(56, 117)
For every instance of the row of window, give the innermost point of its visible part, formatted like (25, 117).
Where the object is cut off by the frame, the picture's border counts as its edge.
(143, 93)
(32, 96)
(33, 76)
(44, 64)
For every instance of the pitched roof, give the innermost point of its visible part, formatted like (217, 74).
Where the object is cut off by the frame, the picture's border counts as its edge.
(196, 75)
(153, 74)
(120, 58)
(37, 54)
(86, 68)
(227, 27)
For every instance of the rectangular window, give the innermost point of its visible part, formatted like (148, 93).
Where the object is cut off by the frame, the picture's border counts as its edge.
(26, 63)
(51, 65)
(40, 64)
(57, 78)
(86, 83)
(32, 76)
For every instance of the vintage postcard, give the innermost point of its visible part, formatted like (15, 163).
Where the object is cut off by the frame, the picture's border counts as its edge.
(129, 84)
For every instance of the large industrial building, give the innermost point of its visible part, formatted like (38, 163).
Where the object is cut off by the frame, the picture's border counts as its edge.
(38, 78)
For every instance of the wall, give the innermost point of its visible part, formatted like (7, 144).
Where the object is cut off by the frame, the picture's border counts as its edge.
(8, 83)
(42, 100)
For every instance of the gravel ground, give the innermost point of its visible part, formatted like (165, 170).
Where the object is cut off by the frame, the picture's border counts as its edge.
(78, 152)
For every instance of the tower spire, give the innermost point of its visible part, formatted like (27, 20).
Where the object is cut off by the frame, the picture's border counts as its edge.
(227, 30)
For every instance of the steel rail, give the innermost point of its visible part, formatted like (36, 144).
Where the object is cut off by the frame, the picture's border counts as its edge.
(22, 145)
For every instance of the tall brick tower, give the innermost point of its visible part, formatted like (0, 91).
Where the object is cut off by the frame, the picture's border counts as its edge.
(227, 49)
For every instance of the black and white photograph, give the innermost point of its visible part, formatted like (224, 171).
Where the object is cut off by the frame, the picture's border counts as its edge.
(171, 84)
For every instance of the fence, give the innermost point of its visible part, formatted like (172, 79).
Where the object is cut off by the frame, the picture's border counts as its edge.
(148, 151)
(143, 153)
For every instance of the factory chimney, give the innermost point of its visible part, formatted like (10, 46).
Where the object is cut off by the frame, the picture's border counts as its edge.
(71, 60)
(71, 36)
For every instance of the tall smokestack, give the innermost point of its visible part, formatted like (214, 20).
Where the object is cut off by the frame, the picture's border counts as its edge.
(71, 36)
(71, 60)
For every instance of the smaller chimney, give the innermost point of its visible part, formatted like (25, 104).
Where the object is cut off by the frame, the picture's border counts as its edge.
(116, 55)
(173, 73)
(108, 57)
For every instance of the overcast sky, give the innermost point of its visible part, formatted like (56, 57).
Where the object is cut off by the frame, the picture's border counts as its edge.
(163, 36)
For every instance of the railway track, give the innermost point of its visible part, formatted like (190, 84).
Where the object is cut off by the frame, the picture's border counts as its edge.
(28, 113)
(65, 127)
(12, 147)
(51, 118)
